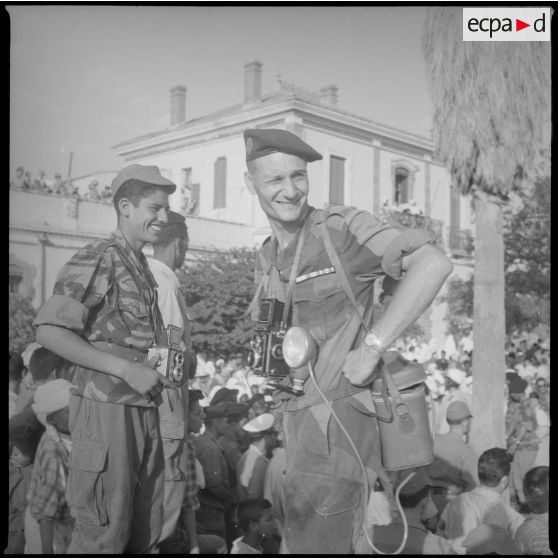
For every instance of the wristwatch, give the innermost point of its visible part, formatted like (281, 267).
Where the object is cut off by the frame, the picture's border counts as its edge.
(372, 341)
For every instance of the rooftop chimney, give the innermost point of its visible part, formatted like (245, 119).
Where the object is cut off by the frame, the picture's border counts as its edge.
(252, 81)
(178, 104)
(328, 95)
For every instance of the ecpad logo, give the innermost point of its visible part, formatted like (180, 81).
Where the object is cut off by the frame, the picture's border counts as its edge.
(506, 24)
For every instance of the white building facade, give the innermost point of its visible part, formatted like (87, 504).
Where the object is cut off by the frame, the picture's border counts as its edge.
(365, 164)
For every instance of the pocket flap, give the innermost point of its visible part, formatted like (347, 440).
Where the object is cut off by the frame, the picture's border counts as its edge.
(88, 456)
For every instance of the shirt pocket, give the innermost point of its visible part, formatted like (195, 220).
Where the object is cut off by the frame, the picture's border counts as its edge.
(87, 488)
(133, 311)
(322, 305)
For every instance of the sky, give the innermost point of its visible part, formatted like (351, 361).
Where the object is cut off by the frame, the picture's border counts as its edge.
(85, 78)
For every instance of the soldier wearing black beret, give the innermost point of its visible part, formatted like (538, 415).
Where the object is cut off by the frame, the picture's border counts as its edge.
(324, 508)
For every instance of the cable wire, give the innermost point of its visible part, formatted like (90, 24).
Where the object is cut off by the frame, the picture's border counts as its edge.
(365, 476)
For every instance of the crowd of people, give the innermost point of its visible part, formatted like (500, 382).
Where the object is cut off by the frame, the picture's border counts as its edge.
(23, 180)
(234, 496)
(158, 449)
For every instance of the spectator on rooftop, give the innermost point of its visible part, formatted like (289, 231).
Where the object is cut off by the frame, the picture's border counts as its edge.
(58, 185)
(18, 181)
(106, 194)
(93, 192)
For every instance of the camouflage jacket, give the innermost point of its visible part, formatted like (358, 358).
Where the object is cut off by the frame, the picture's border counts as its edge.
(106, 292)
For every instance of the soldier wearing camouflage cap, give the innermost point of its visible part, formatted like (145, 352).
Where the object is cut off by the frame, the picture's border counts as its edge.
(323, 479)
(103, 316)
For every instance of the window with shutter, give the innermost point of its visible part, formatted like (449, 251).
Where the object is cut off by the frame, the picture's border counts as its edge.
(336, 180)
(220, 184)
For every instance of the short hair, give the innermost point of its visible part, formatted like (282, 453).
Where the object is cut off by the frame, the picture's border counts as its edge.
(134, 190)
(175, 228)
(251, 510)
(535, 488)
(43, 362)
(194, 395)
(16, 367)
(493, 466)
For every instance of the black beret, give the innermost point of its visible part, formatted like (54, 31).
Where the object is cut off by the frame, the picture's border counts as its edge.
(225, 409)
(260, 143)
(150, 174)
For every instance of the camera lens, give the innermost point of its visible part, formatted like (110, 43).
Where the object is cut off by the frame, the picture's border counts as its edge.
(179, 359)
(277, 352)
(177, 374)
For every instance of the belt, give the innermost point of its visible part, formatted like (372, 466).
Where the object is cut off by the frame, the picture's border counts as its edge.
(128, 353)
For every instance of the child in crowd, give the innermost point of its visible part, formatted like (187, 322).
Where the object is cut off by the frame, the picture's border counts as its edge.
(48, 524)
(256, 521)
(15, 374)
(43, 365)
(20, 468)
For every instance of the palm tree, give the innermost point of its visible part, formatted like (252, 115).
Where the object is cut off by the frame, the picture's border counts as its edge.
(491, 123)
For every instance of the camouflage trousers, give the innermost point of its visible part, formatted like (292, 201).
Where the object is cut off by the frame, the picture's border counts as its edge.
(115, 479)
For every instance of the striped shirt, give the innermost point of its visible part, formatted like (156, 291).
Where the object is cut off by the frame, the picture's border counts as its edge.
(191, 500)
(532, 535)
(47, 490)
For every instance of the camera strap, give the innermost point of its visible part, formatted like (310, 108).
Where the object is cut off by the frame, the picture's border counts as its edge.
(400, 407)
(144, 289)
(294, 271)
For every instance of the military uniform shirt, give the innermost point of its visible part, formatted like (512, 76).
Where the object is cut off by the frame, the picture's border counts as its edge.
(367, 248)
(105, 292)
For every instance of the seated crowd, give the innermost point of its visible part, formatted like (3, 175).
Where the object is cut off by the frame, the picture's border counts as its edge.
(235, 462)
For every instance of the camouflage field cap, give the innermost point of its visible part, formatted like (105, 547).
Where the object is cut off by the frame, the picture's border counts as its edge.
(149, 174)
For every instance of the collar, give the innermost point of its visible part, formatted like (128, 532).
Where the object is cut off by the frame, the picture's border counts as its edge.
(162, 267)
(487, 492)
(137, 257)
(284, 258)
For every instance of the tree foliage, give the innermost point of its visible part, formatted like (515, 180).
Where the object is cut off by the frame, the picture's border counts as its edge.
(218, 288)
(21, 316)
(527, 266)
(491, 130)
(491, 104)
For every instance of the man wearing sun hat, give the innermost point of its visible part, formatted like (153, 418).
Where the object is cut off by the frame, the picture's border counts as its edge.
(322, 471)
(254, 461)
(103, 316)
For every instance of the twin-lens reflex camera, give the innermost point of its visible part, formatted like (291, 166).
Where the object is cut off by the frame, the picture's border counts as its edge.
(171, 358)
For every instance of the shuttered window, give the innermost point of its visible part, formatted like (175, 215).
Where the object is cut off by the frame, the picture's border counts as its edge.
(401, 186)
(220, 184)
(336, 180)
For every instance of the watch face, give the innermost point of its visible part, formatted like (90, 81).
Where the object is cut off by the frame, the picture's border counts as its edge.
(371, 340)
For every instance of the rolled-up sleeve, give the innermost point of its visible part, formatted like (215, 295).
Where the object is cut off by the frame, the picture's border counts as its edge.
(80, 286)
(403, 244)
(390, 243)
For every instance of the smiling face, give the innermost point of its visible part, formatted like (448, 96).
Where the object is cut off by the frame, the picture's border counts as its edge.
(142, 223)
(280, 181)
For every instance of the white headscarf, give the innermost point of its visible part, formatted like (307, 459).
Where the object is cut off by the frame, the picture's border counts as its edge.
(50, 397)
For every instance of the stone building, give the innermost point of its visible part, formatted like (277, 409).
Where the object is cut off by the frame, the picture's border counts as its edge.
(366, 164)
